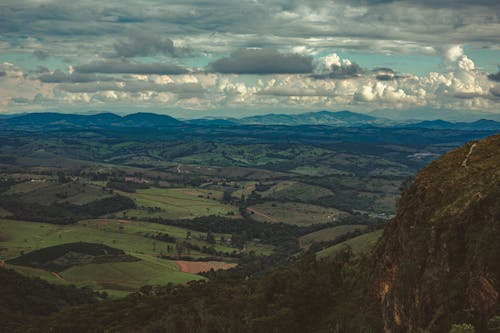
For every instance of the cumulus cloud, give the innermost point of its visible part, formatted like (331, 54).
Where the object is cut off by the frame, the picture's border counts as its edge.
(126, 67)
(133, 87)
(145, 44)
(262, 61)
(453, 53)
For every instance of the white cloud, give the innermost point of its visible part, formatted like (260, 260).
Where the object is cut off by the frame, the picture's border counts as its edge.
(453, 53)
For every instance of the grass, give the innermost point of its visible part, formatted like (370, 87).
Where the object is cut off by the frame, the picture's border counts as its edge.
(259, 248)
(295, 191)
(128, 276)
(28, 236)
(4, 213)
(360, 244)
(294, 213)
(178, 203)
(48, 192)
(329, 234)
(115, 278)
(317, 171)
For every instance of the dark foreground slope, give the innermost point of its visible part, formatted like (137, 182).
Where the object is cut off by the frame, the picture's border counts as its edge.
(439, 257)
(23, 298)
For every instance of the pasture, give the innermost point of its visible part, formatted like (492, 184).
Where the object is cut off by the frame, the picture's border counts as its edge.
(300, 214)
(177, 203)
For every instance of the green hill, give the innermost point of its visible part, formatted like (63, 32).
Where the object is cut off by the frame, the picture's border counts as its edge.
(64, 256)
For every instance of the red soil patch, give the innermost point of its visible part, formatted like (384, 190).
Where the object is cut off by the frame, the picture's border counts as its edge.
(196, 267)
(57, 275)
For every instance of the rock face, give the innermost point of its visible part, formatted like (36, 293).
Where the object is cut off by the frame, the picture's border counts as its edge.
(438, 262)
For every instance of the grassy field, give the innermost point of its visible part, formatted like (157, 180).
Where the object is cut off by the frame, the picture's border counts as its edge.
(178, 203)
(127, 276)
(48, 192)
(293, 213)
(125, 235)
(295, 191)
(363, 243)
(328, 234)
(116, 278)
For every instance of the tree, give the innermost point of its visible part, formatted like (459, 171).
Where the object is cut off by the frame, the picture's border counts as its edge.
(210, 237)
(226, 196)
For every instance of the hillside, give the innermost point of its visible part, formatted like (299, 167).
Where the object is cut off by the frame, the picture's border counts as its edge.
(435, 266)
(24, 298)
(439, 256)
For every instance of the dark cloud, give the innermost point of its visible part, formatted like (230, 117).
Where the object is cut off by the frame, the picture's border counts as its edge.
(41, 55)
(494, 76)
(41, 69)
(495, 91)
(468, 95)
(428, 3)
(146, 44)
(344, 71)
(126, 67)
(386, 74)
(59, 76)
(262, 61)
(3, 73)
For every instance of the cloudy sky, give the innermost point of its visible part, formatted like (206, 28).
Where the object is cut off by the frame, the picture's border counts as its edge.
(235, 58)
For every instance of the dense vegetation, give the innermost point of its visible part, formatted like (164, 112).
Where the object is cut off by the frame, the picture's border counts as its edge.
(285, 300)
(61, 257)
(23, 298)
(63, 213)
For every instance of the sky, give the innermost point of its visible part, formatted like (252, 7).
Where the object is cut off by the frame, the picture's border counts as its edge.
(210, 58)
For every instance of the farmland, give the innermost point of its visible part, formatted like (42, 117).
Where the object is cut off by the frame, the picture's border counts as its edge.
(245, 199)
(294, 213)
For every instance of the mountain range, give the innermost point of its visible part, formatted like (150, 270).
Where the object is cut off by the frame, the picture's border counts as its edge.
(54, 121)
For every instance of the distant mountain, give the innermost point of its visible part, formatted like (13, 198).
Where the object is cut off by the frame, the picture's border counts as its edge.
(482, 124)
(423, 114)
(340, 118)
(57, 121)
(143, 119)
(107, 120)
(212, 121)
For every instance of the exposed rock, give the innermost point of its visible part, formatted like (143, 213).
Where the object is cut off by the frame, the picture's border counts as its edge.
(438, 260)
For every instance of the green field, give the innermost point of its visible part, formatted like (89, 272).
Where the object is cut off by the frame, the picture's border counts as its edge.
(178, 203)
(293, 213)
(17, 237)
(125, 235)
(49, 192)
(127, 276)
(295, 191)
(328, 234)
(363, 243)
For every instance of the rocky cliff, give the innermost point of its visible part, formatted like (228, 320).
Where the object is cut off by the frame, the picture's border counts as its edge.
(438, 262)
